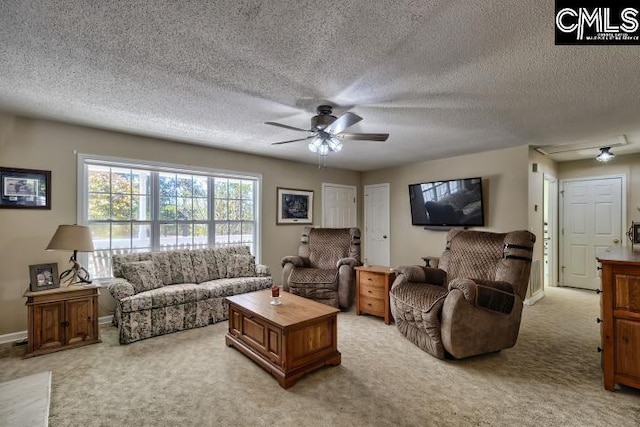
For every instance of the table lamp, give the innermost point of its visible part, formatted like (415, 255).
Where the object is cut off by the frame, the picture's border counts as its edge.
(73, 238)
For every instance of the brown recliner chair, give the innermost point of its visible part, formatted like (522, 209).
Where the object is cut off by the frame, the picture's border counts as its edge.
(472, 303)
(323, 270)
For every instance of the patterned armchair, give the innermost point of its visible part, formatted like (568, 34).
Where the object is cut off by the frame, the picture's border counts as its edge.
(323, 270)
(472, 303)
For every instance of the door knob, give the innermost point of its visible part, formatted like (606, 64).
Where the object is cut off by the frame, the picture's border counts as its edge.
(616, 241)
(384, 236)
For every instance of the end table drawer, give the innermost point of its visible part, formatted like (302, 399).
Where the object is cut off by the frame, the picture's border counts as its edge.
(372, 305)
(372, 291)
(371, 280)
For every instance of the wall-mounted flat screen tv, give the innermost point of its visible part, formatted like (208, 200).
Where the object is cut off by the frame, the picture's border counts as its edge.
(453, 203)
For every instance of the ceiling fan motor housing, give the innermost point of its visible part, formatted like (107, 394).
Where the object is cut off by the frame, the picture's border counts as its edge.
(324, 117)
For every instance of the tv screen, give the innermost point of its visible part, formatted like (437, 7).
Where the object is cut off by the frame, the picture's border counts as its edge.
(453, 203)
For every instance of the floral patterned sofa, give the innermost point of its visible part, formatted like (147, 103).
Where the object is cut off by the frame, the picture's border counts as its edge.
(158, 293)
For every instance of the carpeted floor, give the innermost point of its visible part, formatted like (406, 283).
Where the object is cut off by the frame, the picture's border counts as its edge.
(552, 377)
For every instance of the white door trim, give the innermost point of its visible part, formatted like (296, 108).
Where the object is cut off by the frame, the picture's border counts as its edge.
(623, 222)
(323, 190)
(553, 231)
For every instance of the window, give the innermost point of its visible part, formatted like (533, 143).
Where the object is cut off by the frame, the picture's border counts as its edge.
(438, 190)
(133, 207)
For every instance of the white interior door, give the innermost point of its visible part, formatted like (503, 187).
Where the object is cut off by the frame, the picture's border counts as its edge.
(339, 206)
(376, 225)
(592, 221)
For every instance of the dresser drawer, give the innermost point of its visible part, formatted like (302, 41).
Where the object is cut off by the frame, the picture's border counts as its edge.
(627, 292)
(372, 290)
(372, 305)
(371, 279)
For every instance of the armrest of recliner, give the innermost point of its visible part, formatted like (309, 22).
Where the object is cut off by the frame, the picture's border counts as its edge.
(296, 260)
(350, 261)
(417, 273)
(490, 295)
(121, 288)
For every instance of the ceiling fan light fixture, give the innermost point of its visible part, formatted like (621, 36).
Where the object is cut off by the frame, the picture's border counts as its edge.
(324, 149)
(328, 131)
(315, 144)
(334, 144)
(605, 154)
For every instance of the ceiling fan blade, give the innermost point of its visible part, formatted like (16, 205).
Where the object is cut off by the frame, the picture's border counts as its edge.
(364, 136)
(292, 140)
(342, 123)
(286, 126)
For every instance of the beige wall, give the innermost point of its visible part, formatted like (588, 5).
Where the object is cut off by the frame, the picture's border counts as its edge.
(505, 184)
(38, 144)
(628, 166)
(545, 166)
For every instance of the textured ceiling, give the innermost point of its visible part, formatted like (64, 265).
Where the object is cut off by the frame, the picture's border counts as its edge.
(442, 77)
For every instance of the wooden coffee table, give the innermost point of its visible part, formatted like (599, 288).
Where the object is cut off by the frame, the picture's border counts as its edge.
(287, 340)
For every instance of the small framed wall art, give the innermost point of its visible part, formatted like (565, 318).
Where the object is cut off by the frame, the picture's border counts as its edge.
(25, 188)
(294, 206)
(43, 277)
(634, 233)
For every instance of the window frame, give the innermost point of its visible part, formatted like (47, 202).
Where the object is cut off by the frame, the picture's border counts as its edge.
(84, 159)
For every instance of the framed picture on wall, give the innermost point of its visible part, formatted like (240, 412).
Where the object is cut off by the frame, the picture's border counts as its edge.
(25, 189)
(634, 233)
(294, 206)
(43, 277)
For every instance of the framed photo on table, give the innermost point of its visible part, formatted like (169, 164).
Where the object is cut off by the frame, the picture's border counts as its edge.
(294, 206)
(25, 189)
(43, 277)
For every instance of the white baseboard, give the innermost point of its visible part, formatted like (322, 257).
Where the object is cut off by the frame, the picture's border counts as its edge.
(22, 335)
(12, 337)
(105, 319)
(534, 299)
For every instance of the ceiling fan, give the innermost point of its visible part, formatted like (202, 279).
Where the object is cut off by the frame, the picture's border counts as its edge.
(327, 131)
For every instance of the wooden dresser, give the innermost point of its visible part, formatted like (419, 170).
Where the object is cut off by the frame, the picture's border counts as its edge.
(372, 291)
(620, 325)
(62, 318)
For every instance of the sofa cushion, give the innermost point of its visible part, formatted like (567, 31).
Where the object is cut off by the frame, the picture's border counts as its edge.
(190, 292)
(141, 275)
(117, 260)
(212, 264)
(161, 297)
(163, 266)
(416, 309)
(239, 285)
(224, 254)
(205, 265)
(315, 276)
(199, 262)
(181, 267)
(241, 266)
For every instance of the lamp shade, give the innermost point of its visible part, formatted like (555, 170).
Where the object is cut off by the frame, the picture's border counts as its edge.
(71, 238)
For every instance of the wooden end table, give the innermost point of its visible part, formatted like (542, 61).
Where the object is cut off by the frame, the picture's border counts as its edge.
(372, 291)
(287, 340)
(62, 318)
